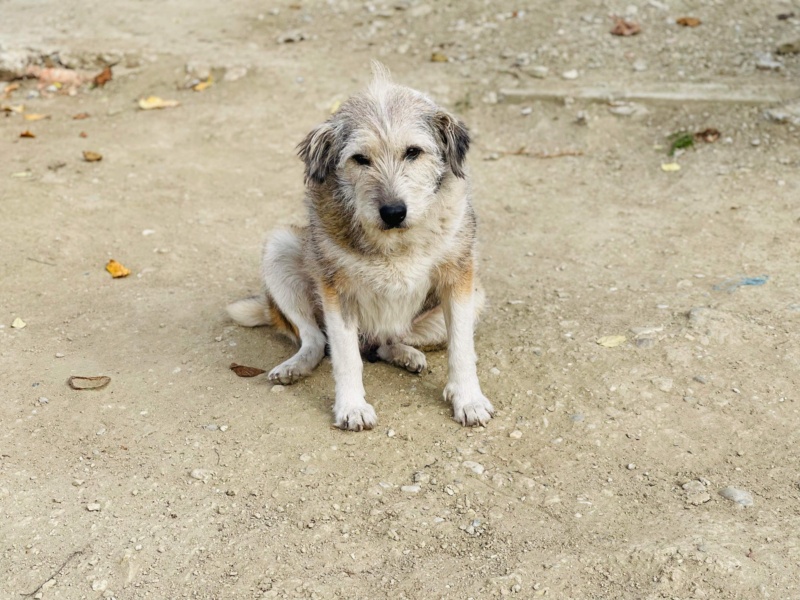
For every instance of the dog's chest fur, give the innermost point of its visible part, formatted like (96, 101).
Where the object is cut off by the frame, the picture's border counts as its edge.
(386, 293)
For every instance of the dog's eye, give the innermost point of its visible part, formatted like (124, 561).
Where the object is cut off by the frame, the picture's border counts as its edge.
(412, 152)
(361, 160)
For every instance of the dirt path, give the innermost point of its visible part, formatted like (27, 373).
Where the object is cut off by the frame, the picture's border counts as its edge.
(601, 475)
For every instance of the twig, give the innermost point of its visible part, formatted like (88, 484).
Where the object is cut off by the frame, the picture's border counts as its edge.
(523, 151)
(54, 575)
(43, 262)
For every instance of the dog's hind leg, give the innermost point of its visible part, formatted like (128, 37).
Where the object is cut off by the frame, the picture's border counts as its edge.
(291, 291)
(402, 355)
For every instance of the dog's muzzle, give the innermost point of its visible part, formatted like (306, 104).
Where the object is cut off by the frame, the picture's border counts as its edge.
(393, 215)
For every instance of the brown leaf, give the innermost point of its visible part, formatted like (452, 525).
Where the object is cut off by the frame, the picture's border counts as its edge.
(689, 21)
(27, 134)
(83, 134)
(80, 116)
(625, 28)
(116, 269)
(88, 383)
(35, 117)
(103, 77)
(243, 371)
(8, 90)
(439, 57)
(203, 85)
(709, 135)
(90, 156)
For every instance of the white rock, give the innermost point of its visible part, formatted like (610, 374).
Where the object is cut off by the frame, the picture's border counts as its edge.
(516, 434)
(410, 489)
(99, 585)
(569, 75)
(473, 466)
(741, 497)
(201, 474)
(277, 388)
(494, 371)
(93, 507)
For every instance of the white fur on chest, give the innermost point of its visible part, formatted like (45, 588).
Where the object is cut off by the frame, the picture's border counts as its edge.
(389, 292)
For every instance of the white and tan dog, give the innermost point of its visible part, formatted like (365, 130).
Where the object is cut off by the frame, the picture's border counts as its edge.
(388, 258)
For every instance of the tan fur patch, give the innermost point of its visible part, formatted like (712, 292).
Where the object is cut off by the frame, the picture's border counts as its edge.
(281, 323)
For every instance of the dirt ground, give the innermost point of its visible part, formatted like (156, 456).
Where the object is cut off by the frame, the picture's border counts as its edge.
(600, 476)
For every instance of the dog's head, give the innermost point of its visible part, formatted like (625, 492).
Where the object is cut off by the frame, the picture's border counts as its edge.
(386, 152)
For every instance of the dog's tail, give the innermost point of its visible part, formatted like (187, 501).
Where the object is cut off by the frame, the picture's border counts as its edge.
(251, 312)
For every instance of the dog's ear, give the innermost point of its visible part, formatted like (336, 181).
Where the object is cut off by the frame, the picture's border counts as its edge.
(454, 139)
(318, 152)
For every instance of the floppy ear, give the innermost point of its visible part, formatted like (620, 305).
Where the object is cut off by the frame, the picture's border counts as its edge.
(454, 139)
(317, 152)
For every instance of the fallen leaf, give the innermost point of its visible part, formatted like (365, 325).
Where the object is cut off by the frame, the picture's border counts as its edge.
(22, 174)
(83, 134)
(688, 21)
(625, 28)
(103, 77)
(680, 141)
(709, 135)
(243, 371)
(116, 269)
(88, 383)
(27, 134)
(670, 167)
(15, 108)
(203, 85)
(8, 90)
(18, 323)
(35, 117)
(90, 156)
(80, 116)
(153, 102)
(438, 57)
(611, 341)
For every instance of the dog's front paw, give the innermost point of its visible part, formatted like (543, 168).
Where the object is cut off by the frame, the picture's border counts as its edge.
(470, 406)
(355, 417)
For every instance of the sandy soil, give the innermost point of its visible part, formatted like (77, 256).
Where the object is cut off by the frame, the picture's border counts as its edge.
(600, 476)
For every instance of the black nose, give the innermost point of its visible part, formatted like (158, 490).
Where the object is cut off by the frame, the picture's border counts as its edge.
(393, 214)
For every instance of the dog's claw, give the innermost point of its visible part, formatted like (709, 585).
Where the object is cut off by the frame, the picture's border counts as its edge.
(470, 407)
(357, 419)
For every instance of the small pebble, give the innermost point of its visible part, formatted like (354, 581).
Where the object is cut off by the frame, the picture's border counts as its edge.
(576, 418)
(99, 585)
(391, 433)
(43, 400)
(516, 434)
(410, 489)
(494, 371)
(526, 111)
(201, 474)
(569, 75)
(741, 497)
(278, 388)
(631, 466)
(60, 355)
(94, 507)
(473, 466)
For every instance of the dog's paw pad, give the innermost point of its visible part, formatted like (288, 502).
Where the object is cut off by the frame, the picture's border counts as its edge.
(357, 419)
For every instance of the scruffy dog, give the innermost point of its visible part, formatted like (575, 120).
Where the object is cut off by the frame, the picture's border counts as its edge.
(388, 257)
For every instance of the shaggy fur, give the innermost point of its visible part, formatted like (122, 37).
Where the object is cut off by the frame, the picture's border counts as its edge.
(387, 260)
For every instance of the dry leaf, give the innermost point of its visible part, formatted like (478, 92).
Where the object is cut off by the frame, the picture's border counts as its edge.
(438, 57)
(688, 21)
(27, 134)
(88, 383)
(83, 134)
(203, 85)
(80, 116)
(15, 108)
(116, 269)
(152, 102)
(335, 106)
(57, 76)
(243, 371)
(625, 28)
(612, 341)
(35, 117)
(670, 167)
(103, 77)
(709, 135)
(90, 156)
(8, 90)
(18, 323)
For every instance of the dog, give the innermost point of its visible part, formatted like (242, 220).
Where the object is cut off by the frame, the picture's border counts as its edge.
(387, 260)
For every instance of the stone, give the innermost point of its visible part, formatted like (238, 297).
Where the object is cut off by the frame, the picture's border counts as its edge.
(569, 75)
(740, 497)
(473, 466)
(410, 489)
(201, 475)
(93, 507)
(516, 434)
